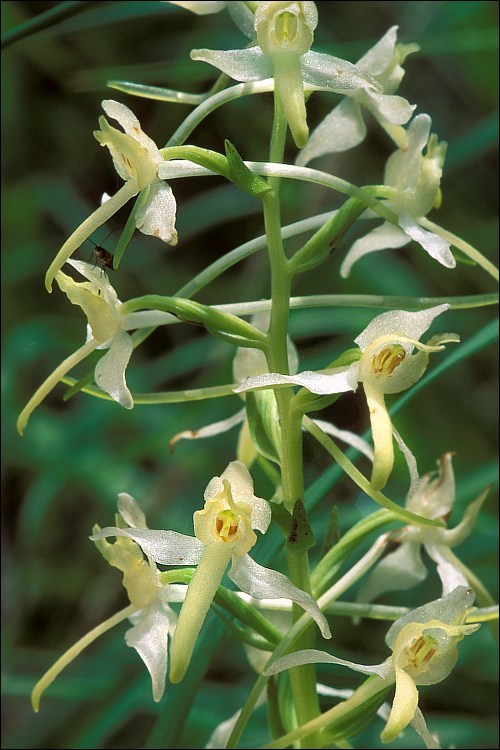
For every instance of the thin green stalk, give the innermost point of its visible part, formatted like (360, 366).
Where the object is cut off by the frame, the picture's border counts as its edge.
(303, 679)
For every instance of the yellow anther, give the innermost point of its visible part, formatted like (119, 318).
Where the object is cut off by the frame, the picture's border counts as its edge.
(388, 359)
(421, 651)
(226, 525)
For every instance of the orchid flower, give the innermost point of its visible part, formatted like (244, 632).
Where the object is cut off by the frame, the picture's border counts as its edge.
(412, 189)
(140, 164)
(402, 569)
(107, 329)
(386, 364)
(424, 652)
(344, 127)
(149, 612)
(284, 32)
(224, 534)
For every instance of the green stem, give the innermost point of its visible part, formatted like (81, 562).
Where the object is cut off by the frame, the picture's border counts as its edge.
(303, 679)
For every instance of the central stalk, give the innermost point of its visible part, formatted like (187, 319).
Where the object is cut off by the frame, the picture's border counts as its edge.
(303, 679)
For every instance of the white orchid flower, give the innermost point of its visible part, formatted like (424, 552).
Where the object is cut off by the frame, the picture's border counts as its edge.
(344, 127)
(404, 568)
(149, 612)
(107, 329)
(224, 534)
(412, 186)
(424, 652)
(386, 365)
(140, 164)
(284, 32)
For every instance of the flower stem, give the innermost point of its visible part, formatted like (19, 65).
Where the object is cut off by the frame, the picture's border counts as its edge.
(303, 679)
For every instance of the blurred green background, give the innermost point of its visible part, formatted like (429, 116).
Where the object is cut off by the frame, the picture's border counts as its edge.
(64, 474)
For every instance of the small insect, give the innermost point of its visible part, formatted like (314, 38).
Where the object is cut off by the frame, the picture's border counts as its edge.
(104, 258)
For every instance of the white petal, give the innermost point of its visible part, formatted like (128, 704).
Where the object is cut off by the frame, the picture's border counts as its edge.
(347, 437)
(157, 215)
(450, 575)
(242, 17)
(241, 64)
(407, 373)
(455, 536)
(335, 74)
(437, 247)
(313, 656)
(131, 512)
(340, 380)
(97, 276)
(436, 494)
(222, 731)
(411, 462)
(109, 373)
(379, 57)
(395, 109)
(132, 127)
(398, 571)
(164, 547)
(263, 583)
(403, 168)
(410, 324)
(449, 609)
(382, 238)
(418, 723)
(216, 428)
(242, 490)
(341, 130)
(149, 637)
(202, 7)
